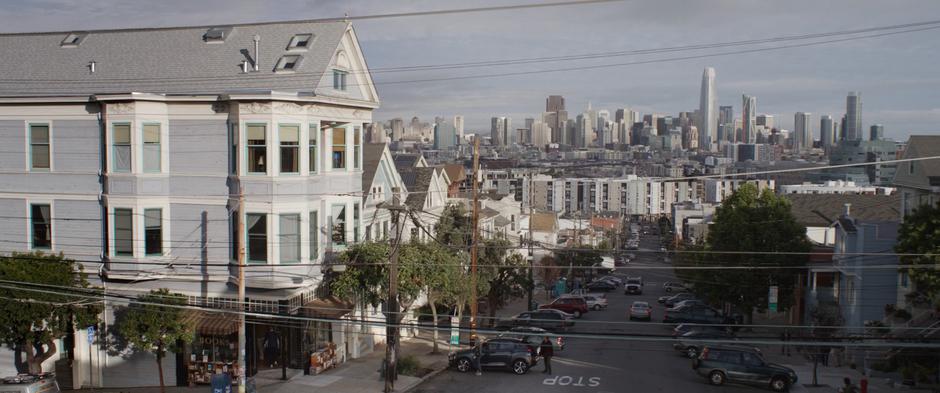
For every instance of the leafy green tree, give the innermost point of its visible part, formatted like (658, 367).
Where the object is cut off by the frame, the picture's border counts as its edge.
(154, 323)
(503, 274)
(761, 226)
(437, 272)
(920, 234)
(579, 259)
(31, 320)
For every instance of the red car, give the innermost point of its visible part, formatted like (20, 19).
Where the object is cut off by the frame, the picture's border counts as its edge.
(572, 305)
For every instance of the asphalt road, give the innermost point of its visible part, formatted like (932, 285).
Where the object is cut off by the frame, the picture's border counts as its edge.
(599, 365)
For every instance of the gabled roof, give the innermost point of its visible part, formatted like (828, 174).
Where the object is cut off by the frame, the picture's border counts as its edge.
(455, 172)
(372, 154)
(176, 60)
(407, 161)
(926, 172)
(418, 192)
(821, 210)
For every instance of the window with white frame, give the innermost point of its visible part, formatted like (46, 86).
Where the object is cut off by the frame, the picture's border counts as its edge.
(357, 146)
(257, 148)
(339, 148)
(40, 157)
(313, 151)
(152, 148)
(338, 225)
(289, 225)
(339, 80)
(289, 136)
(40, 217)
(257, 224)
(314, 225)
(121, 147)
(123, 232)
(153, 232)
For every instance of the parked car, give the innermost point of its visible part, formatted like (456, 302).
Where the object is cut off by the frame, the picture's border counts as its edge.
(696, 314)
(721, 364)
(601, 286)
(683, 328)
(689, 302)
(641, 310)
(671, 286)
(614, 279)
(551, 320)
(690, 343)
(670, 301)
(573, 305)
(595, 301)
(634, 285)
(533, 336)
(511, 354)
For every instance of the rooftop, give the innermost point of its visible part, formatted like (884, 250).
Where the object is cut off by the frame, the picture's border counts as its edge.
(819, 210)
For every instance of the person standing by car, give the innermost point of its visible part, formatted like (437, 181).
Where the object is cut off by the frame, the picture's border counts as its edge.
(546, 351)
(477, 355)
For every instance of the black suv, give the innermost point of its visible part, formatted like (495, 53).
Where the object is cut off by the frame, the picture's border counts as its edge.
(722, 364)
(696, 314)
(506, 353)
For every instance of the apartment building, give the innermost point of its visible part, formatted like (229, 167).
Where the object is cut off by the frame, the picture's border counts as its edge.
(716, 190)
(127, 150)
(629, 195)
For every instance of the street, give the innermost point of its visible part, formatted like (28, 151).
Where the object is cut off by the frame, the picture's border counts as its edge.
(603, 364)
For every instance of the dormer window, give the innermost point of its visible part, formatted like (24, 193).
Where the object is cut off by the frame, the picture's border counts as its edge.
(73, 40)
(288, 63)
(300, 42)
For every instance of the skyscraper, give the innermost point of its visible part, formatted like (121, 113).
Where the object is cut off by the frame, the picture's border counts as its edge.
(802, 137)
(458, 128)
(725, 114)
(444, 135)
(853, 116)
(877, 132)
(749, 126)
(708, 110)
(827, 130)
(398, 128)
(557, 119)
(500, 130)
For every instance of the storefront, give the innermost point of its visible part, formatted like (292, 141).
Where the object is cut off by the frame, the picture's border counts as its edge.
(324, 341)
(215, 345)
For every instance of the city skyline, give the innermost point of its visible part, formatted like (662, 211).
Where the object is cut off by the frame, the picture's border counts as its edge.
(814, 79)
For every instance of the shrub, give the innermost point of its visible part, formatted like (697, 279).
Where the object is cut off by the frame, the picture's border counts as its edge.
(409, 365)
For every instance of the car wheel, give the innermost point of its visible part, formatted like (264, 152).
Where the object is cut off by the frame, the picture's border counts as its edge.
(597, 307)
(691, 352)
(463, 365)
(520, 367)
(716, 378)
(576, 313)
(779, 385)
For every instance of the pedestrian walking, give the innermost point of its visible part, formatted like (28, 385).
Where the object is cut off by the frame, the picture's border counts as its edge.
(546, 351)
(477, 355)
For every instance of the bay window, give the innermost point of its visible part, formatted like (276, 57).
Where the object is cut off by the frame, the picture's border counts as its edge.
(290, 148)
(257, 148)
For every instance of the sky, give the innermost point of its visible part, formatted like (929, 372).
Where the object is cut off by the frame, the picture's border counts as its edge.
(897, 75)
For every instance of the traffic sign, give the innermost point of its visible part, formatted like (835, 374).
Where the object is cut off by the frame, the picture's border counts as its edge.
(772, 298)
(454, 330)
(91, 334)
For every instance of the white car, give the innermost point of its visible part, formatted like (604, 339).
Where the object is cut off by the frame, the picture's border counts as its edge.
(613, 279)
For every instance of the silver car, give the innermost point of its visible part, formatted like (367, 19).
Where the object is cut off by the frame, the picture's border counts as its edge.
(641, 310)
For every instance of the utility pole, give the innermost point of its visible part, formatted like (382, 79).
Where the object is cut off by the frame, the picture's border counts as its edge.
(531, 241)
(473, 246)
(392, 312)
(242, 341)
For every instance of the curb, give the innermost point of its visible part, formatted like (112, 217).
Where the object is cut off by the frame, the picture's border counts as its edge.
(428, 376)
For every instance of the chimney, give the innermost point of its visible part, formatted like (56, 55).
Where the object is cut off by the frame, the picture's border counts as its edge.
(91, 66)
(257, 40)
(846, 209)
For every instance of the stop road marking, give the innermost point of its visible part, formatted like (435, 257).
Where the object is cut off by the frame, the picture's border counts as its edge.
(564, 380)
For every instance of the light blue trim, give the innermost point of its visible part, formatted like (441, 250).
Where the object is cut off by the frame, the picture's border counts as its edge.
(130, 145)
(143, 144)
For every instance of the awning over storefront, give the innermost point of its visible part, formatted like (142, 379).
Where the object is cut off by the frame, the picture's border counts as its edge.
(212, 323)
(330, 307)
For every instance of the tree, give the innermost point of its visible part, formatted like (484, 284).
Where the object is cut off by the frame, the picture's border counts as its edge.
(579, 259)
(827, 318)
(919, 235)
(436, 271)
(502, 274)
(154, 323)
(31, 320)
(761, 226)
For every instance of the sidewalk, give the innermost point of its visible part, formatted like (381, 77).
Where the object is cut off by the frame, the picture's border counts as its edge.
(829, 378)
(354, 376)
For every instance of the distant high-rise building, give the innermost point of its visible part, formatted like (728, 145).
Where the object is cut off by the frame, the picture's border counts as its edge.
(585, 131)
(749, 113)
(554, 103)
(725, 114)
(877, 132)
(541, 134)
(767, 121)
(827, 137)
(841, 129)
(398, 128)
(500, 131)
(558, 118)
(708, 110)
(853, 117)
(690, 137)
(444, 134)
(802, 138)
(458, 128)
